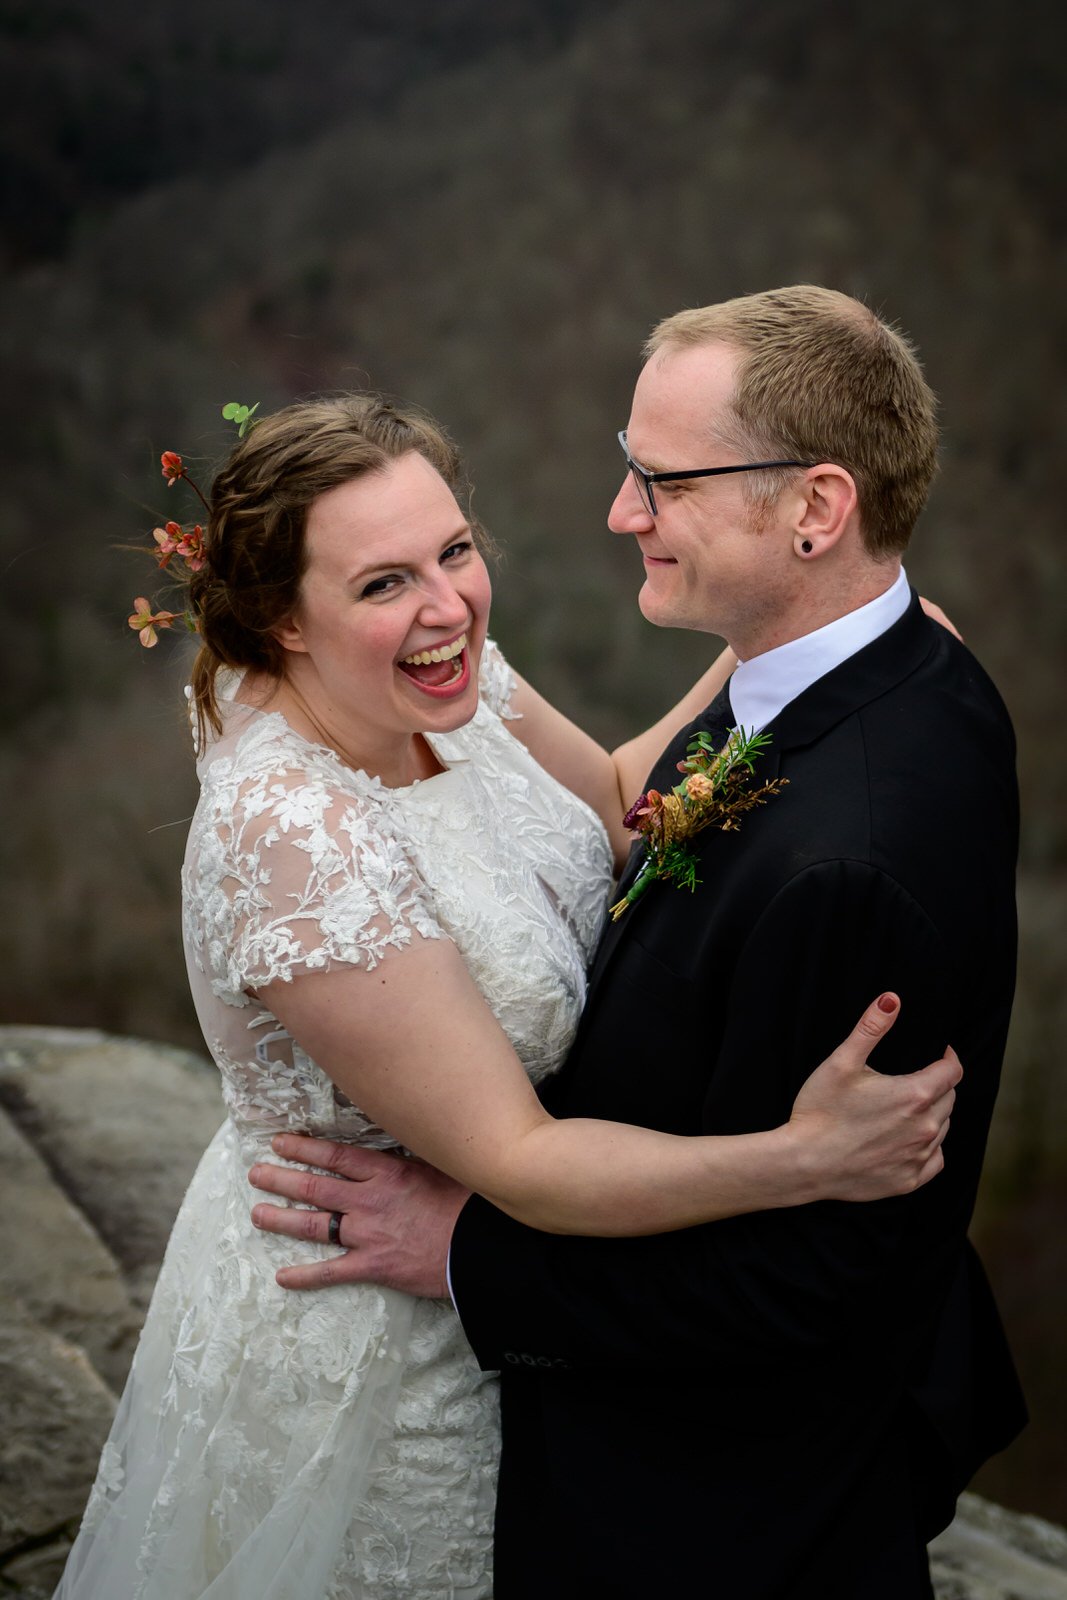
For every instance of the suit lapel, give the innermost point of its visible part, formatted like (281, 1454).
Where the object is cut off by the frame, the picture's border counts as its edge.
(871, 672)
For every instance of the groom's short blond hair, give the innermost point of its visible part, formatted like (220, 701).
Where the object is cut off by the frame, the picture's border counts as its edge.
(822, 378)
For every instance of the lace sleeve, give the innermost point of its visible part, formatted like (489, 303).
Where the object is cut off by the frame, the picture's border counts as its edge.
(496, 682)
(295, 875)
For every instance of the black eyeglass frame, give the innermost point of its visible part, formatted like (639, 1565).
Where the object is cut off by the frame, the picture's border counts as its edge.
(645, 479)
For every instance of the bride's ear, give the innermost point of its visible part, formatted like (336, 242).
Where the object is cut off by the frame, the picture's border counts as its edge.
(290, 636)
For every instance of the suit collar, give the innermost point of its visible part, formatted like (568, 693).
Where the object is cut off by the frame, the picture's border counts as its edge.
(863, 677)
(762, 687)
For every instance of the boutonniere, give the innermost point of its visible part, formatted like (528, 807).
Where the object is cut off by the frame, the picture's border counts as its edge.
(715, 793)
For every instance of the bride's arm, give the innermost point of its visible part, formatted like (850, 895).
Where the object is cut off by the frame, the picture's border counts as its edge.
(610, 783)
(414, 1045)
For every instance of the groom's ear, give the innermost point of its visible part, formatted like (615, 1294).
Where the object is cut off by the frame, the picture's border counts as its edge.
(826, 507)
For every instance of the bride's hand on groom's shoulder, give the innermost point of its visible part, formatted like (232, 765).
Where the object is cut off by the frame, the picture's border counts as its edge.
(868, 1135)
(935, 613)
(391, 1216)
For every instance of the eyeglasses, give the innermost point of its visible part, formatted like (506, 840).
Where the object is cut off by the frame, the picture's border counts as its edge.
(644, 479)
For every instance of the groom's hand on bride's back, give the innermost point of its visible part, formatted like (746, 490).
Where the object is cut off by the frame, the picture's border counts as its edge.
(393, 1216)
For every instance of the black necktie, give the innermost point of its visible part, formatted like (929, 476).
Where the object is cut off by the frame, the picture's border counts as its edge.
(718, 718)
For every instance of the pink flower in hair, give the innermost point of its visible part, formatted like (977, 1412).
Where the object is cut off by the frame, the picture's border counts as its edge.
(146, 621)
(173, 540)
(168, 540)
(173, 467)
(191, 547)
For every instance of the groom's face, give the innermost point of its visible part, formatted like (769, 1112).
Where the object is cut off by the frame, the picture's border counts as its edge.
(710, 563)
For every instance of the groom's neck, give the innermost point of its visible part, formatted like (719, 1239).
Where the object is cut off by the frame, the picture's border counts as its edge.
(819, 599)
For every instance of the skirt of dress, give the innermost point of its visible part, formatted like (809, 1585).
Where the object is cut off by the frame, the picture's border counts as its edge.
(270, 1445)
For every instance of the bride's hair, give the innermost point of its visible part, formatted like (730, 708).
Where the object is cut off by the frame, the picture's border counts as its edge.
(255, 544)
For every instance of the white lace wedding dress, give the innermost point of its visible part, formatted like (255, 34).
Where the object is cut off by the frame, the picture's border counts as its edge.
(336, 1445)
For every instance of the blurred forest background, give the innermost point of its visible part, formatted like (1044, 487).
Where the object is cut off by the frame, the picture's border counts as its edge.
(483, 205)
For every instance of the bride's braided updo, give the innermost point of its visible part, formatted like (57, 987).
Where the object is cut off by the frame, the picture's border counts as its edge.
(254, 544)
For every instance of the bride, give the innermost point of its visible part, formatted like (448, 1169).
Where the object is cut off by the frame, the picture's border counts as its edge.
(394, 831)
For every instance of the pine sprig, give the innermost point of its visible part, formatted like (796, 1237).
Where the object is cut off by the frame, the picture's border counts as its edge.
(678, 863)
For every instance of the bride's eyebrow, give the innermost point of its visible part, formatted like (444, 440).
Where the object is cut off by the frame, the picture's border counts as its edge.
(361, 574)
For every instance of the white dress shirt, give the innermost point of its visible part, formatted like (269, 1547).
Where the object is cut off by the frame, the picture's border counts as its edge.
(762, 687)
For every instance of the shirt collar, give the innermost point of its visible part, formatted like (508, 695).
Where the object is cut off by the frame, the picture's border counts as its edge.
(762, 687)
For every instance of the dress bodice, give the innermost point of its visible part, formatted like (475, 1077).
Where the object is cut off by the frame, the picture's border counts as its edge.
(298, 863)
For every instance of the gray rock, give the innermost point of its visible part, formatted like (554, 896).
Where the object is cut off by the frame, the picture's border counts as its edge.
(989, 1553)
(34, 1574)
(56, 1266)
(97, 1146)
(120, 1123)
(55, 1412)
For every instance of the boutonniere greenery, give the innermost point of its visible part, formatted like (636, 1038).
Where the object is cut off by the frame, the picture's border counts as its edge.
(715, 793)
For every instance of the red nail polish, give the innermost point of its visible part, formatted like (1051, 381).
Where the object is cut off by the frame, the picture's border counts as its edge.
(887, 1004)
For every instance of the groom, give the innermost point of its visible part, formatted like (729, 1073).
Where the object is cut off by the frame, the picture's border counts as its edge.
(780, 1406)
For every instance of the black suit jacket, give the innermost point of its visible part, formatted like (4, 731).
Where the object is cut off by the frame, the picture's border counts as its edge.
(783, 1404)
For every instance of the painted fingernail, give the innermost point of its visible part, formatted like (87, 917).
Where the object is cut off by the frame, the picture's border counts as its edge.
(887, 1003)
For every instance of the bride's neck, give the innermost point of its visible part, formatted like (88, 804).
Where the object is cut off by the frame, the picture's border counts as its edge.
(409, 758)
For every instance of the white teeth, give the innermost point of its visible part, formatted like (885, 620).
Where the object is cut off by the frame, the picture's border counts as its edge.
(423, 658)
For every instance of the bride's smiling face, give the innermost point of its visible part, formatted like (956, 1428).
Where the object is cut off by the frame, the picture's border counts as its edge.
(393, 573)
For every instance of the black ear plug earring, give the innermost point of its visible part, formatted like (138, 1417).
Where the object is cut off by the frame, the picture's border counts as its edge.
(806, 546)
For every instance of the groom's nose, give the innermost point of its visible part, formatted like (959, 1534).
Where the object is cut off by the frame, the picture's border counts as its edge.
(628, 514)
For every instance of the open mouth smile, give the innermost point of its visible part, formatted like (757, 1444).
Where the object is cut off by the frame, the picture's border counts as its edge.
(441, 672)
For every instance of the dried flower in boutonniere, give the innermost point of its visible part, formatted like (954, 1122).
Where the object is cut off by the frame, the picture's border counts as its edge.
(714, 794)
(176, 540)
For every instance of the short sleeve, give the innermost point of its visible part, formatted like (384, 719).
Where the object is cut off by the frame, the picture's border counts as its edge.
(295, 875)
(496, 683)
